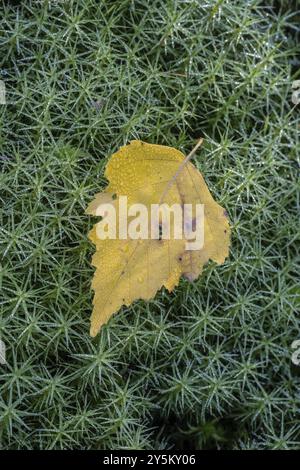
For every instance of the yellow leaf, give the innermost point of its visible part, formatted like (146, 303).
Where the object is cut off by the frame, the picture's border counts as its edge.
(130, 269)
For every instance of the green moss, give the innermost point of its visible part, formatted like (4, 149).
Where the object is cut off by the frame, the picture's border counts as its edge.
(210, 364)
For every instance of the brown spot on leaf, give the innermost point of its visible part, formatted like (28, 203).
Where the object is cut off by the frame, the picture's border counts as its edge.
(190, 276)
(160, 232)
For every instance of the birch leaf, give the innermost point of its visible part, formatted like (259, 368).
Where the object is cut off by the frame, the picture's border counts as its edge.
(129, 269)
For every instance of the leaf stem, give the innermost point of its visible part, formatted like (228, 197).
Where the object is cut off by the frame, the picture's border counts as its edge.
(180, 168)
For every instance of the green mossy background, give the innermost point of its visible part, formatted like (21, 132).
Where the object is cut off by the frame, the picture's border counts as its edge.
(208, 366)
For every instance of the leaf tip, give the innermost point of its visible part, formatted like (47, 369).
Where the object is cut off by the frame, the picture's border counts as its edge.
(94, 331)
